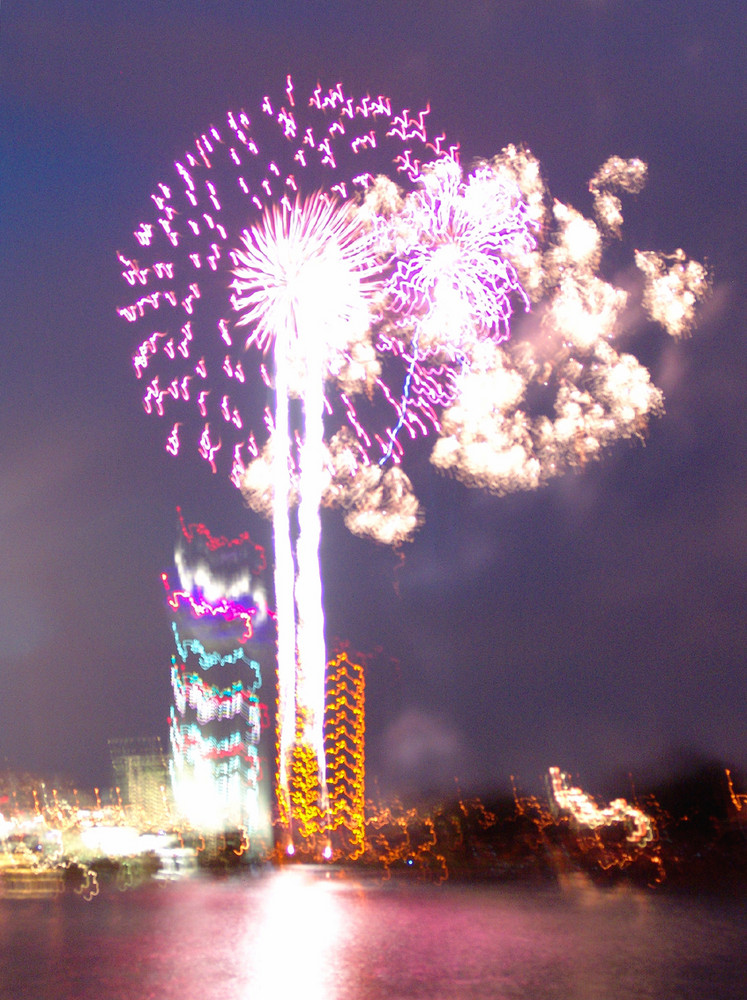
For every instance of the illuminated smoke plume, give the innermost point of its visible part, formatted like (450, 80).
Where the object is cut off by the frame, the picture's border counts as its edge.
(595, 394)
(674, 286)
(615, 174)
(372, 281)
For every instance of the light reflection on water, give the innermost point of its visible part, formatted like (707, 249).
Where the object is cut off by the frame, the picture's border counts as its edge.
(317, 935)
(299, 926)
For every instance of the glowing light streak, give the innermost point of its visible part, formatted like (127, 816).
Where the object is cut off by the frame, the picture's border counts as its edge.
(238, 469)
(223, 327)
(149, 347)
(207, 449)
(144, 234)
(211, 703)
(355, 423)
(190, 742)
(584, 810)
(154, 394)
(132, 272)
(206, 659)
(738, 801)
(215, 542)
(406, 165)
(137, 310)
(183, 347)
(344, 747)
(398, 835)
(172, 444)
(229, 610)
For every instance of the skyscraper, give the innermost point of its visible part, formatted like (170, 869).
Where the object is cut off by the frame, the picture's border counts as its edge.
(345, 755)
(329, 822)
(222, 669)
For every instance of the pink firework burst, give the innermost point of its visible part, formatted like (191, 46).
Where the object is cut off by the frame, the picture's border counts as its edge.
(286, 165)
(263, 165)
(453, 283)
(456, 238)
(303, 278)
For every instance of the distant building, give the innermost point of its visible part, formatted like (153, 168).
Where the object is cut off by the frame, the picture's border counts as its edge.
(141, 778)
(222, 669)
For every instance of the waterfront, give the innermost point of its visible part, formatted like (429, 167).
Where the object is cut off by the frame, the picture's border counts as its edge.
(323, 935)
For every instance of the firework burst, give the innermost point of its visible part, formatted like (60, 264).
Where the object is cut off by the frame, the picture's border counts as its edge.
(387, 309)
(455, 241)
(313, 263)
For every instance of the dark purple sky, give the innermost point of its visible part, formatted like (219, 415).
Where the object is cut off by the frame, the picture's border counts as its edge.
(598, 624)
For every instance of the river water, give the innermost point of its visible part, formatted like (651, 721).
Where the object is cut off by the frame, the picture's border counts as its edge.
(316, 935)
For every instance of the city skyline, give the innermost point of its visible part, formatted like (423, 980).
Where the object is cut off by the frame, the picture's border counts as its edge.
(596, 624)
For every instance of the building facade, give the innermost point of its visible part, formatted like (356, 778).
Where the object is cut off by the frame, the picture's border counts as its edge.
(141, 777)
(328, 821)
(221, 675)
(345, 755)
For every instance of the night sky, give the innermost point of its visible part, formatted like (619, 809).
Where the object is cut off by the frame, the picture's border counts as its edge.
(597, 624)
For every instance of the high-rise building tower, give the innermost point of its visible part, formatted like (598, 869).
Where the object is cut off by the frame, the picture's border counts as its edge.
(345, 754)
(329, 822)
(223, 666)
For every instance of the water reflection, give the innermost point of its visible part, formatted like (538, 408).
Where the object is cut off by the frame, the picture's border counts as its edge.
(295, 938)
(306, 934)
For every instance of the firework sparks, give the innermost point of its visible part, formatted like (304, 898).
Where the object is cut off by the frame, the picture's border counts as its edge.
(491, 437)
(386, 303)
(615, 174)
(453, 247)
(674, 286)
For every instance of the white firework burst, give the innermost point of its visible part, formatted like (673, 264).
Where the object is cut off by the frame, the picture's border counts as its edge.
(306, 275)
